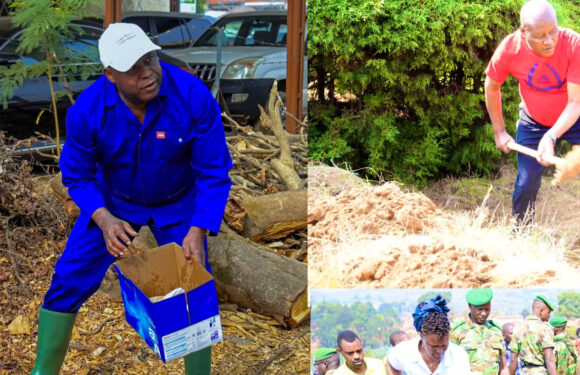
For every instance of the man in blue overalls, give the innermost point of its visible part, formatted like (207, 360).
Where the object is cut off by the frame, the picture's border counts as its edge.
(145, 146)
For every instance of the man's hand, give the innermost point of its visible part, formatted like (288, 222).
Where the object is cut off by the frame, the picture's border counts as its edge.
(193, 245)
(545, 149)
(115, 231)
(501, 140)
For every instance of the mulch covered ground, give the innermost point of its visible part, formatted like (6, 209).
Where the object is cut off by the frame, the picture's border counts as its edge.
(33, 230)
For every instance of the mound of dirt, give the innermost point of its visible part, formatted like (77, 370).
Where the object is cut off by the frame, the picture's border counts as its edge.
(380, 210)
(419, 261)
(386, 237)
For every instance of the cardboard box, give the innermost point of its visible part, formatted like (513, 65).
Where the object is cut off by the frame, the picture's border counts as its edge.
(179, 325)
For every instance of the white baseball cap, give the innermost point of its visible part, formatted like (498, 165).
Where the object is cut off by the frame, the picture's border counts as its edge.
(122, 44)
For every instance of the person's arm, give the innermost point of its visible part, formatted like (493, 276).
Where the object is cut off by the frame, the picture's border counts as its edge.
(78, 166)
(550, 362)
(503, 366)
(494, 108)
(211, 161)
(78, 161)
(513, 363)
(193, 245)
(567, 118)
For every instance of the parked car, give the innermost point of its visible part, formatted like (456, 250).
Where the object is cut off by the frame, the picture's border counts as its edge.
(253, 47)
(33, 96)
(170, 30)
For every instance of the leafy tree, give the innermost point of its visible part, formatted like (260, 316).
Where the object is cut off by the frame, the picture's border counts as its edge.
(569, 304)
(328, 319)
(46, 24)
(400, 84)
(525, 312)
(446, 295)
(389, 309)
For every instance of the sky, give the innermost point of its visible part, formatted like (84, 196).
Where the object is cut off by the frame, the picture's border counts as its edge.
(504, 302)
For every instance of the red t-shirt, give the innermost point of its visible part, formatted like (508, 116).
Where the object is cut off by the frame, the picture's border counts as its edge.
(542, 80)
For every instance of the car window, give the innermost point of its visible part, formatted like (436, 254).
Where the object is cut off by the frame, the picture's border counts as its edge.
(8, 52)
(196, 27)
(254, 31)
(265, 33)
(170, 32)
(281, 36)
(142, 22)
(84, 47)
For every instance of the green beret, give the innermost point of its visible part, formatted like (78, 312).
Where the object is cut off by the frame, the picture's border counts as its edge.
(558, 321)
(478, 297)
(542, 298)
(323, 353)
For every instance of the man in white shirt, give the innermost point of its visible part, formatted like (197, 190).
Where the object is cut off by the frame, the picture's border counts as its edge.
(351, 348)
(431, 353)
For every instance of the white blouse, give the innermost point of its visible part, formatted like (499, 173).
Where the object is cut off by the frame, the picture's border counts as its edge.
(406, 358)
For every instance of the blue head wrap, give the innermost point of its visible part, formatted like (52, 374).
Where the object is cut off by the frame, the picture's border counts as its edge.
(425, 308)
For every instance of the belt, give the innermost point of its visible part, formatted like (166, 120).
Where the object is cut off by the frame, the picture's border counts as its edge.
(530, 365)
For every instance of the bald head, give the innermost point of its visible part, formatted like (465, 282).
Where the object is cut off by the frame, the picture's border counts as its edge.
(397, 337)
(535, 11)
(541, 310)
(507, 330)
(537, 305)
(540, 27)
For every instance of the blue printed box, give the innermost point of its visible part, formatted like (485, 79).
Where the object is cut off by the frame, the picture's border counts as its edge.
(175, 326)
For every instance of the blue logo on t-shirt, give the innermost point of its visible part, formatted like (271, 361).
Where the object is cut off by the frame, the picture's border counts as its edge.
(544, 82)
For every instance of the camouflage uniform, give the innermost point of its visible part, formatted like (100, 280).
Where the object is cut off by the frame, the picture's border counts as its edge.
(565, 355)
(529, 340)
(483, 343)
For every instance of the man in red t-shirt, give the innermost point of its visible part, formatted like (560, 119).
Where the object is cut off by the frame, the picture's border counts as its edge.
(545, 59)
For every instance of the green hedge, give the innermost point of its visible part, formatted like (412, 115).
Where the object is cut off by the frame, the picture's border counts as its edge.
(409, 75)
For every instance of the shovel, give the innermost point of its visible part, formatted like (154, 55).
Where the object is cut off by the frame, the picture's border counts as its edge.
(533, 153)
(566, 167)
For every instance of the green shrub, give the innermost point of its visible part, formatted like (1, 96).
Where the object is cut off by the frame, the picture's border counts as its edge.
(409, 79)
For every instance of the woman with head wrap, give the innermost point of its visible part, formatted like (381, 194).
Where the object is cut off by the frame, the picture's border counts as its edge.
(430, 353)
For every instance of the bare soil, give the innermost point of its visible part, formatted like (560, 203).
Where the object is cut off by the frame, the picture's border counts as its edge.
(386, 236)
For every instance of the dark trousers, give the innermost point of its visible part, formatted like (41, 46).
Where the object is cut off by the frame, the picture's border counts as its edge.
(529, 133)
(85, 261)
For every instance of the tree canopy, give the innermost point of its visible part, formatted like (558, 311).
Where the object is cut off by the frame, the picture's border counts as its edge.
(329, 319)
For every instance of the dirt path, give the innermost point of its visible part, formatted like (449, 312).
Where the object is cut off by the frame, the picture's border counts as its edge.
(386, 237)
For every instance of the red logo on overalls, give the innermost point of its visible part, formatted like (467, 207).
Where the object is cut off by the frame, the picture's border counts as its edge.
(160, 135)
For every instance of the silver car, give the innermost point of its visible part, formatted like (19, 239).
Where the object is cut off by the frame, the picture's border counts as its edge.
(253, 47)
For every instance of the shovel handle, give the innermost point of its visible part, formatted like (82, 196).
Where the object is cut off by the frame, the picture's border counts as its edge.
(533, 153)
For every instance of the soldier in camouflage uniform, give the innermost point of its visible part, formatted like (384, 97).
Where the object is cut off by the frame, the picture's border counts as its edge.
(565, 353)
(533, 341)
(481, 338)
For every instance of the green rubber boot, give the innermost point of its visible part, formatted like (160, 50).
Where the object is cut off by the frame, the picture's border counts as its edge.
(198, 363)
(54, 333)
